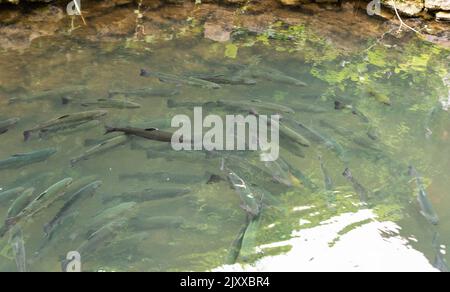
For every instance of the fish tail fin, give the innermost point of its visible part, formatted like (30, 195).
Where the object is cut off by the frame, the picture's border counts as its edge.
(66, 100)
(109, 129)
(3, 230)
(144, 73)
(26, 135)
(171, 103)
(73, 162)
(338, 105)
(47, 230)
(347, 173)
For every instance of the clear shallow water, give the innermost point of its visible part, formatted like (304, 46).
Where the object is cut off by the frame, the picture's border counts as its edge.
(410, 75)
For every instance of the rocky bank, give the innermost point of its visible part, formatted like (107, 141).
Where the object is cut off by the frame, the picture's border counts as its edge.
(344, 22)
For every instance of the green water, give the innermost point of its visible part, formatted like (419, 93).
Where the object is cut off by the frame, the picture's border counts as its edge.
(409, 74)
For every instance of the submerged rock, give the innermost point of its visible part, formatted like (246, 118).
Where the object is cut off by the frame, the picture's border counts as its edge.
(217, 32)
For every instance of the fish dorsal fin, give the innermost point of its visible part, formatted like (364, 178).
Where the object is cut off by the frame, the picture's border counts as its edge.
(63, 117)
(19, 155)
(151, 129)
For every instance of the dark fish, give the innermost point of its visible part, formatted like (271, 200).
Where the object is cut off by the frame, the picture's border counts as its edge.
(426, 207)
(151, 133)
(22, 159)
(8, 124)
(150, 194)
(64, 121)
(359, 189)
(164, 77)
(86, 191)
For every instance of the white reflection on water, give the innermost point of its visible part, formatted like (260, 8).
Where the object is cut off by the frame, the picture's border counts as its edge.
(374, 246)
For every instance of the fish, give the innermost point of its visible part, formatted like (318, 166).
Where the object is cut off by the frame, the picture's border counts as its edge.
(100, 148)
(364, 142)
(151, 194)
(249, 203)
(84, 192)
(310, 108)
(328, 181)
(95, 141)
(151, 133)
(359, 189)
(234, 79)
(69, 128)
(236, 245)
(292, 147)
(330, 143)
(293, 135)
(19, 204)
(104, 103)
(273, 75)
(171, 154)
(280, 172)
(46, 198)
(169, 78)
(64, 121)
(6, 125)
(191, 104)
(165, 177)
(440, 262)
(145, 91)
(51, 93)
(23, 159)
(249, 239)
(255, 104)
(18, 246)
(339, 105)
(10, 194)
(380, 97)
(429, 119)
(100, 238)
(118, 212)
(427, 209)
(156, 222)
